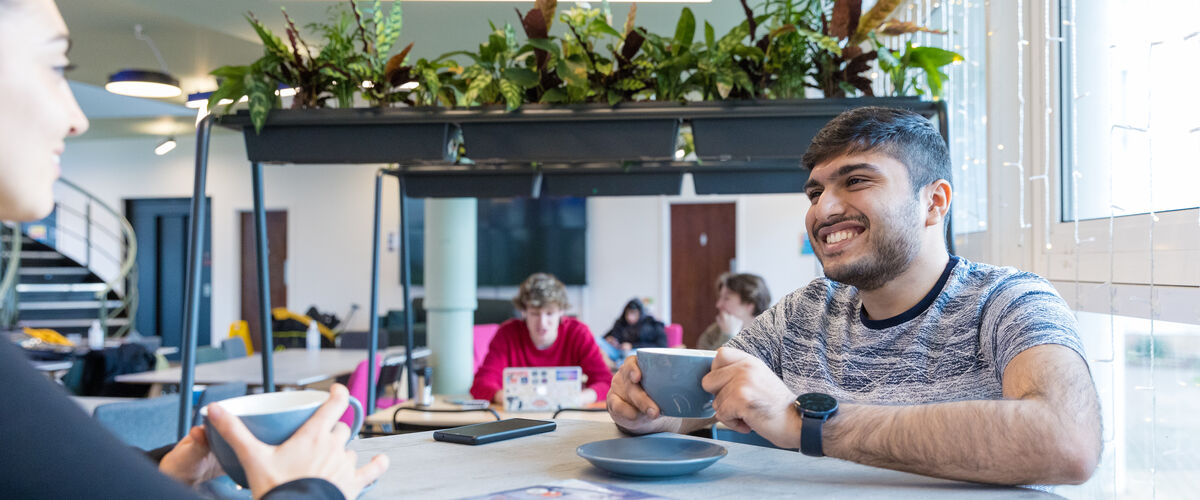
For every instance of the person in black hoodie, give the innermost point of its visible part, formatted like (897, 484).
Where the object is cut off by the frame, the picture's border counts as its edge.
(635, 329)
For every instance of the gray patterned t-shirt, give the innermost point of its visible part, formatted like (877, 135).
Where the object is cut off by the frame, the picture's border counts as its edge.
(951, 346)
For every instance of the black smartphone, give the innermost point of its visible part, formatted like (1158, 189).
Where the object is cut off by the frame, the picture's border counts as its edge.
(490, 432)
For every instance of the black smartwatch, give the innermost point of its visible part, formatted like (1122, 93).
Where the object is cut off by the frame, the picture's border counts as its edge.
(814, 409)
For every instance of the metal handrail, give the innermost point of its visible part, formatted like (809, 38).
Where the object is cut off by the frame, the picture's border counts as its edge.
(9, 282)
(128, 267)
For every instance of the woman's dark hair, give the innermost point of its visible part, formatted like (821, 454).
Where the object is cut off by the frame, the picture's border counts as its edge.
(901, 134)
(750, 288)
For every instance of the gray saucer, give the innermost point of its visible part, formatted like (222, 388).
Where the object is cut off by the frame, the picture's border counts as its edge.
(651, 456)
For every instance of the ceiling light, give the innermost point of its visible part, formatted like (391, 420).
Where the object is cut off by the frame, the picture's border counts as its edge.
(410, 85)
(285, 91)
(165, 146)
(144, 82)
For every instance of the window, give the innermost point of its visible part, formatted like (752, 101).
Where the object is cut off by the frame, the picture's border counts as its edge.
(965, 27)
(1131, 111)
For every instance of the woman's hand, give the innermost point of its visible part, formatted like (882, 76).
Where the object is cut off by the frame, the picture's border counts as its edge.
(190, 461)
(317, 449)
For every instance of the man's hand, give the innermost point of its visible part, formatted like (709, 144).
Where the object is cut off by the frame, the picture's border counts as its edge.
(750, 397)
(631, 408)
(190, 461)
(728, 323)
(317, 449)
(626, 347)
(612, 341)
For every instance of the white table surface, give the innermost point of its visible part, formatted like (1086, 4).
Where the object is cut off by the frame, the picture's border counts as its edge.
(293, 367)
(424, 468)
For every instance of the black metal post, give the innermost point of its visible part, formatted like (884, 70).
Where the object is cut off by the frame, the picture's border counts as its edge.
(373, 330)
(943, 118)
(264, 280)
(406, 280)
(191, 309)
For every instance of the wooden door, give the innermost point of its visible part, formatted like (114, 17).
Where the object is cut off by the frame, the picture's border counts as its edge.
(276, 259)
(703, 245)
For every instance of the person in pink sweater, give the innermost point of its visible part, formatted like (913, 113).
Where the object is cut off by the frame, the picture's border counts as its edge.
(543, 337)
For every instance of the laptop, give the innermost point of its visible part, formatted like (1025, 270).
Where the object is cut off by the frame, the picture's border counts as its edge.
(542, 388)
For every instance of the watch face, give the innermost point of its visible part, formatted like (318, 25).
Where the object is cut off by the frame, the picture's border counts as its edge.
(816, 402)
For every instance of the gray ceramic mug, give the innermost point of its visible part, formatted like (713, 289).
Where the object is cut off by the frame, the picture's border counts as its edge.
(671, 377)
(272, 417)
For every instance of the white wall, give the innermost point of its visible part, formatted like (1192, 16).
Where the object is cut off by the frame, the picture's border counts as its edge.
(629, 249)
(329, 217)
(329, 234)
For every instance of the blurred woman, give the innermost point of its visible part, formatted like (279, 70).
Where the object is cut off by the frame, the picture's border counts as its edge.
(51, 449)
(740, 297)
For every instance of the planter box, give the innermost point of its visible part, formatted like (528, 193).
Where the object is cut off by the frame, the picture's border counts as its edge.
(613, 181)
(772, 130)
(761, 177)
(470, 183)
(346, 136)
(585, 133)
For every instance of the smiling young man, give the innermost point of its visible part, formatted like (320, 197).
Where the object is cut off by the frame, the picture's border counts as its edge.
(902, 356)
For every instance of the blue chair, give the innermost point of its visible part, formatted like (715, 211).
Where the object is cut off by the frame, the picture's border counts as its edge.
(144, 423)
(233, 348)
(214, 393)
(208, 354)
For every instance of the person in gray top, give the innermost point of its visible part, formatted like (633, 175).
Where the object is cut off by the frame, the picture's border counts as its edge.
(902, 356)
(740, 297)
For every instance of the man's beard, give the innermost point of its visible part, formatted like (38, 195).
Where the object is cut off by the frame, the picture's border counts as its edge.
(892, 251)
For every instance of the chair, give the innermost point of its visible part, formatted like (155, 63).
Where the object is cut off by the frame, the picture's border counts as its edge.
(483, 339)
(233, 348)
(358, 340)
(357, 385)
(219, 392)
(208, 354)
(674, 335)
(145, 423)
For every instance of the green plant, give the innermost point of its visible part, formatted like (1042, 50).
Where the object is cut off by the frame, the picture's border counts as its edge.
(900, 66)
(497, 74)
(839, 75)
(337, 70)
(621, 73)
(674, 58)
(778, 64)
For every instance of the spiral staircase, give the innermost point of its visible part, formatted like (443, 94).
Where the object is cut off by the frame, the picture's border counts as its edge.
(71, 269)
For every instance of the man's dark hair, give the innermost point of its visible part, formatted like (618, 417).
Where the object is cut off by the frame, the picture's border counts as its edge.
(901, 134)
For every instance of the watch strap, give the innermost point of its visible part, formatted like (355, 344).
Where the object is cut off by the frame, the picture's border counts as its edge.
(810, 436)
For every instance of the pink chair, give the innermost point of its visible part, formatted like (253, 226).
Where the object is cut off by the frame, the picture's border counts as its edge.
(674, 335)
(358, 390)
(483, 339)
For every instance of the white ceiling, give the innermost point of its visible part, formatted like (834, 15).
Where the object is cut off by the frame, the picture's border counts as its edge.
(197, 36)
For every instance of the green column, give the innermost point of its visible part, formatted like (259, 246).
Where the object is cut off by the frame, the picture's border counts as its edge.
(450, 298)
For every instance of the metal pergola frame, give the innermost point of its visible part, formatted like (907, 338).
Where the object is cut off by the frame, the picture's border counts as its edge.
(469, 181)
